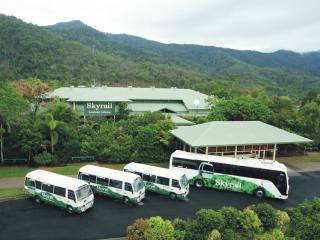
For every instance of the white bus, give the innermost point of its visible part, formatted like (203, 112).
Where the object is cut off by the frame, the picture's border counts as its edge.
(161, 180)
(66, 192)
(254, 176)
(113, 183)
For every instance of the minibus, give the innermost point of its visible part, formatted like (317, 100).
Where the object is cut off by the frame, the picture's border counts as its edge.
(164, 181)
(128, 187)
(263, 178)
(69, 193)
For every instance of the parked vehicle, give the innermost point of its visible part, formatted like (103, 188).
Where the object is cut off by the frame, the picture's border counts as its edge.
(254, 176)
(161, 180)
(113, 183)
(66, 192)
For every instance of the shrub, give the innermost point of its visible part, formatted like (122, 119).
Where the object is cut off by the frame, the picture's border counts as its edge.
(214, 235)
(267, 215)
(159, 229)
(45, 159)
(137, 230)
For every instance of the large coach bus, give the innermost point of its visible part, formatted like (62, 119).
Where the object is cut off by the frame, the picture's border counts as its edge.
(161, 180)
(254, 176)
(69, 193)
(113, 183)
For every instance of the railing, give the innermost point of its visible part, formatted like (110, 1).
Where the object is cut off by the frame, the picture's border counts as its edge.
(15, 160)
(82, 159)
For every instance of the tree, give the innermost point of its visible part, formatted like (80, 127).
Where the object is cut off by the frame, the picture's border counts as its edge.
(159, 229)
(208, 220)
(243, 108)
(137, 230)
(311, 116)
(12, 107)
(33, 90)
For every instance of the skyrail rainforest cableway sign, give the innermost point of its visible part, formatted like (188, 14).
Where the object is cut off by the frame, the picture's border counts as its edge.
(99, 108)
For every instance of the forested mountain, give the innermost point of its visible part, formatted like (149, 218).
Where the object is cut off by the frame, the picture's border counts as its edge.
(65, 52)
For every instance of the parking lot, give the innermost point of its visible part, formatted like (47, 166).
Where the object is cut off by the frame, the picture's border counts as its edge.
(24, 219)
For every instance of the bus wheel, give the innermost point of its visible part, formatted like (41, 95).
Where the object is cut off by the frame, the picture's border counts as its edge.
(172, 196)
(69, 209)
(259, 193)
(199, 183)
(126, 200)
(37, 199)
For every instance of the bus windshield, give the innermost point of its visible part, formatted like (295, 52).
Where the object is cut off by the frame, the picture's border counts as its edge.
(184, 181)
(137, 184)
(83, 192)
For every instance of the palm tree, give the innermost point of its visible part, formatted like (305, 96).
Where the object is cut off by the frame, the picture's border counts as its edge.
(52, 124)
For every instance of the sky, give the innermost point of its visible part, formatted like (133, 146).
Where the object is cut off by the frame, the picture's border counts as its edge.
(262, 25)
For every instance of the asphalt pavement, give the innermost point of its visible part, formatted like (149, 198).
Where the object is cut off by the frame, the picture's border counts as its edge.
(24, 219)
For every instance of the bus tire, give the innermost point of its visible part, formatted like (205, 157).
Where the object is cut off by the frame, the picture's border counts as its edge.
(126, 200)
(172, 196)
(69, 209)
(259, 193)
(199, 183)
(37, 199)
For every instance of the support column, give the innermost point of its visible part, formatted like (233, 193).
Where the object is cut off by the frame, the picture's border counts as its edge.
(274, 152)
(196, 150)
(235, 151)
(264, 154)
(207, 150)
(184, 147)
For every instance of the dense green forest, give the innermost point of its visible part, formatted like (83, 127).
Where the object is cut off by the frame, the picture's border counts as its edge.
(255, 222)
(74, 53)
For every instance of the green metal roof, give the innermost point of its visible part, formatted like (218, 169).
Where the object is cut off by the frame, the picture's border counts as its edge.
(179, 121)
(233, 133)
(190, 98)
(157, 106)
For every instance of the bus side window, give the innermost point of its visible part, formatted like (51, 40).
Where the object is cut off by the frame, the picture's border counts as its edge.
(29, 182)
(84, 177)
(115, 183)
(59, 191)
(71, 195)
(103, 181)
(163, 181)
(38, 185)
(175, 183)
(128, 187)
(47, 188)
(146, 177)
(92, 179)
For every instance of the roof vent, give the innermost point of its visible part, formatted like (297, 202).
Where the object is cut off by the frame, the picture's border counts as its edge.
(129, 86)
(72, 86)
(81, 86)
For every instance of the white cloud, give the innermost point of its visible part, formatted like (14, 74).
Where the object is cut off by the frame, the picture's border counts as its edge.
(241, 24)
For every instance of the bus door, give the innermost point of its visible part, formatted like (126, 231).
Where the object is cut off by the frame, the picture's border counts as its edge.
(206, 170)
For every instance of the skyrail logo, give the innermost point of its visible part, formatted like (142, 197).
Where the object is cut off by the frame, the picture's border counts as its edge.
(98, 107)
(228, 185)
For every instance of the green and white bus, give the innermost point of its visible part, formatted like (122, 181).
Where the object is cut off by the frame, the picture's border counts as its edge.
(128, 187)
(254, 176)
(69, 193)
(161, 180)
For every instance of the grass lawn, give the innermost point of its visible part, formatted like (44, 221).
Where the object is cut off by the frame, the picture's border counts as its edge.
(70, 169)
(309, 157)
(11, 192)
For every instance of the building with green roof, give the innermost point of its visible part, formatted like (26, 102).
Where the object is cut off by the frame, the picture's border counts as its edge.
(104, 101)
(238, 138)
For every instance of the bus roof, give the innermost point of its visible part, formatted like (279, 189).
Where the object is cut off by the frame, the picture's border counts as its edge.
(158, 171)
(109, 173)
(247, 162)
(56, 179)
